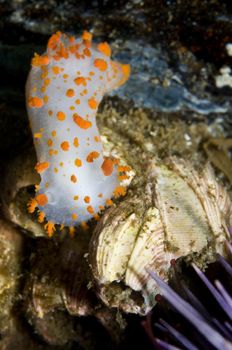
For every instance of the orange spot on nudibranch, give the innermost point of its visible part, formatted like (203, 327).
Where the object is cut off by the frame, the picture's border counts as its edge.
(50, 142)
(123, 168)
(87, 36)
(87, 52)
(107, 167)
(50, 228)
(100, 64)
(75, 142)
(97, 138)
(96, 217)
(41, 167)
(70, 93)
(31, 205)
(40, 60)
(104, 48)
(109, 202)
(38, 135)
(75, 198)
(56, 69)
(61, 115)
(54, 41)
(92, 103)
(41, 217)
(44, 74)
(41, 199)
(126, 73)
(73, 178)
(47, 81)
(87, 199)
(65, 145)
(82, 123)
(35, 102)
(80, 81)
(74, 216)
(91, 156)
(119, 191)
(78, 162)
(46, 98)
(90, 209)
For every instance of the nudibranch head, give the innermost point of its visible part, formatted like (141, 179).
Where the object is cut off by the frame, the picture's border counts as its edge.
(63, 91)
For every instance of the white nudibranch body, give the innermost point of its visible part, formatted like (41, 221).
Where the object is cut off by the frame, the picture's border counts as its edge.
(63, 91)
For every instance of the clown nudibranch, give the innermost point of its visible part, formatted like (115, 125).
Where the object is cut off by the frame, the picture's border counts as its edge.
(63, 91)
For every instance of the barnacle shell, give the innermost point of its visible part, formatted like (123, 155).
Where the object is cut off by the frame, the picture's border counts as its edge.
(180, 211)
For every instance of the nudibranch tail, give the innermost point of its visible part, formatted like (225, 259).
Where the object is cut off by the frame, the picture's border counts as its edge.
(64, 89)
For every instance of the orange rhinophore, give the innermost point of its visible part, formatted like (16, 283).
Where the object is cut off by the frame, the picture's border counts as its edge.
(64, 89)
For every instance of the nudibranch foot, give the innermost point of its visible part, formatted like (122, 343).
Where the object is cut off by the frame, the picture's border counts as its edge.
(64, 89)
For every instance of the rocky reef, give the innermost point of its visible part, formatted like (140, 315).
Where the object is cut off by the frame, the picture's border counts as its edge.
(170, 123)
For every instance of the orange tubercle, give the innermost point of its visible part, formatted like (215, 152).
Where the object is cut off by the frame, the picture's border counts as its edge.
(41, 217)
(35, 102)
(41, 199)
(87, 36)
(119, 191)
(54, 41)
(91, 156)
(74, 216)
(38, 61)
(78, 162)
(87, 199)
(90, 209)
(104, 48)
(107, 167)
(32, 205)
(92, 103)
(73, 178)
(82, 123)
(41, 167)
(109, 202)
(65, 146)
(50, 228)
(61, 115)
(80, 81)
(76, 142)
(100, 64)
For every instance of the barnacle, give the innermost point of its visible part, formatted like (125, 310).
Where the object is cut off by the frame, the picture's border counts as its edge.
(181, 212)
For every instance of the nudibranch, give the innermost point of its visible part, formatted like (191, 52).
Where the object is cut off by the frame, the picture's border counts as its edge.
(63, 91)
